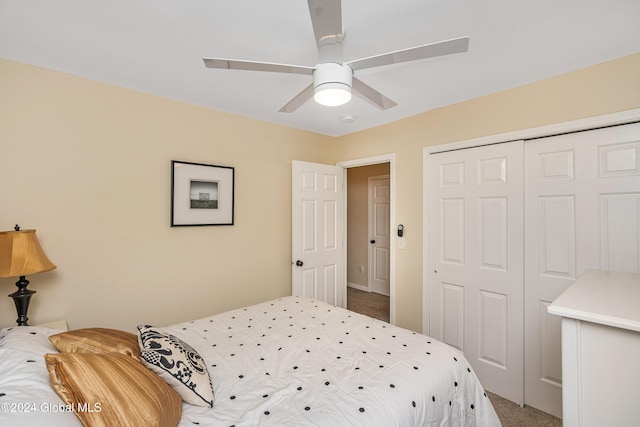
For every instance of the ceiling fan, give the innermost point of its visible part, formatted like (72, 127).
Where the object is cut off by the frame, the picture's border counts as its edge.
(333, 79)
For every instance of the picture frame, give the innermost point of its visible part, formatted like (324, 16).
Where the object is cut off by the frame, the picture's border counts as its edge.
(201, 194)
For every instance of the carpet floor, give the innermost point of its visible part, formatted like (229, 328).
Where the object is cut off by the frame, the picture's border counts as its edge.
(368, 303)
(512, 415)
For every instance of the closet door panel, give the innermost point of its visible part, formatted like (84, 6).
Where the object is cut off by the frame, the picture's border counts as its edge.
(582, 210)
(476, 258)
(556, 236)
(620, 216)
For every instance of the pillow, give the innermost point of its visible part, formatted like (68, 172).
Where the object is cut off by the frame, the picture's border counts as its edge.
(33, 339)
(178, 364)
(25, 390)
(112, 390)
(97, 340)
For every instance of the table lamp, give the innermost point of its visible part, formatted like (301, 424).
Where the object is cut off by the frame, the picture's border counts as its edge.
(21, 255)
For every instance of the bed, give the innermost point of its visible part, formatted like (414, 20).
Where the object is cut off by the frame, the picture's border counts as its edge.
(293, 361)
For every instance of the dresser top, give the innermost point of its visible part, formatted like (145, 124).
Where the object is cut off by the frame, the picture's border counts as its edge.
(606, 297)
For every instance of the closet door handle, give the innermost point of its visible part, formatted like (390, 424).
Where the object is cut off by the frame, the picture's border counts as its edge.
(299, 263)
(373, 241)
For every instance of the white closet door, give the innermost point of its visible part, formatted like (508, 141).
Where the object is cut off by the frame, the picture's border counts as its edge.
(476, 259)
(582, 209)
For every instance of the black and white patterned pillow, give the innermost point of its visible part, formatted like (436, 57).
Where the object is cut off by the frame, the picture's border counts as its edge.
(177, 363)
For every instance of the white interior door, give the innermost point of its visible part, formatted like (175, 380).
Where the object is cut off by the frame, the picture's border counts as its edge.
(318, 265)
(379, 238)
(582, 209)
(476, 260)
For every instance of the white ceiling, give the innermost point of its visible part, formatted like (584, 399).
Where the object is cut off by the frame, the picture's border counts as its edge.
(156, 46)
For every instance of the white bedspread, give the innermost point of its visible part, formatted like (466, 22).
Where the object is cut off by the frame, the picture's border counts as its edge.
(26, 398)
(300, 362)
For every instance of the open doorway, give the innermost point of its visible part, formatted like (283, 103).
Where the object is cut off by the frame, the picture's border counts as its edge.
(369, 240)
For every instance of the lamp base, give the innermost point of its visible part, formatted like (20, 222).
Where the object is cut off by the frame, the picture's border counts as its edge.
(21, 298)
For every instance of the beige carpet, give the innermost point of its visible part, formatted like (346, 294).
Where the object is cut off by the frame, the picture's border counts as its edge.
(510, 414)
(368, 303)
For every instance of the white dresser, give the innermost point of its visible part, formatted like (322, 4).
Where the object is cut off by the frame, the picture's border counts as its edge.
(600, 349)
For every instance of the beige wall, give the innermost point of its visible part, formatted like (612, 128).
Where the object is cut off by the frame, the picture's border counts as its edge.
(605, 88)
(358, 221)
(89, 166)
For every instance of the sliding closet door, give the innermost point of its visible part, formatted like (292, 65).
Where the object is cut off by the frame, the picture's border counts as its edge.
(476, 260)
(582, 208)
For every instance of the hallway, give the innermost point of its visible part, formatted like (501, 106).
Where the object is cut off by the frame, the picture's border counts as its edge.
(368, 303)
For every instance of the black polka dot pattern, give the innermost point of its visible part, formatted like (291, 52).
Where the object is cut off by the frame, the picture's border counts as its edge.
(24, 379)
(298, 361)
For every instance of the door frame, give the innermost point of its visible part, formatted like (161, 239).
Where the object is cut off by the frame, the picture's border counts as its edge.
(366, 161)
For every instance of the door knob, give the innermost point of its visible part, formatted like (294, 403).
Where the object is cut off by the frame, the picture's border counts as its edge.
(373, 241)
(299, 263)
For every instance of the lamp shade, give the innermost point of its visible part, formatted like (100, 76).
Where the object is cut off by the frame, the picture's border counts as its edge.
(21, 254)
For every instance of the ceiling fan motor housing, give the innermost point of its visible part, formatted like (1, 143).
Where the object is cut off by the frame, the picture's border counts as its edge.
(332, 83)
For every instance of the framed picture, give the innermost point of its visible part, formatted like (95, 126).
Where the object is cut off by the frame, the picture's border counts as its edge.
(201, 194)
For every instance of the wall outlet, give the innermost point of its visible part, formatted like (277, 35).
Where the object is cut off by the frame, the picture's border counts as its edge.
(361, 269)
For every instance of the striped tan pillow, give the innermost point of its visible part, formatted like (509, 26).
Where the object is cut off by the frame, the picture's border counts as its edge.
(97, 340)
(105, 390)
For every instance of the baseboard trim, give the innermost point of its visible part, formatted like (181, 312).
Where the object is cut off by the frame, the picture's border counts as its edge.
(358, 287)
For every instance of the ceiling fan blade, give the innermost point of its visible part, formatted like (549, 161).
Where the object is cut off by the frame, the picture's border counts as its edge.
(234, 64)
(326, 17)
(432, 50)
(298, 100)
(370, 94)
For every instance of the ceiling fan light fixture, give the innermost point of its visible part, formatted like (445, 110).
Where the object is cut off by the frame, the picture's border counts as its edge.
(332, 94)
(332, 84)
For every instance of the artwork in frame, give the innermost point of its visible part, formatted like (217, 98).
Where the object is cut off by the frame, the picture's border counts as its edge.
(201, 194)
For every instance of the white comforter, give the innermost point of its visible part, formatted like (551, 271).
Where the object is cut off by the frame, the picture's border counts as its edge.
(26, 398)
(290, 362)
(299, 362)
